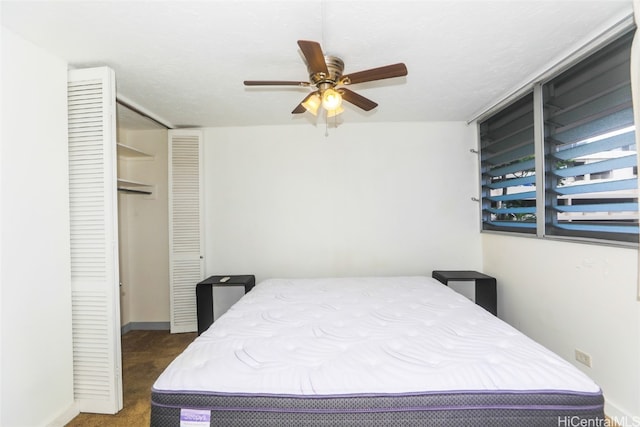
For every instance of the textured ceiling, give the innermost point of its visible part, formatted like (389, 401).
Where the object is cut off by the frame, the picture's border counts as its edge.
(185, 61)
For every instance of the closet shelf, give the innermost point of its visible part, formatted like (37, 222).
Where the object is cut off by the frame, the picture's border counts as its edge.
(128, 152)
(128, 186)
(129, 183)
(132, 191)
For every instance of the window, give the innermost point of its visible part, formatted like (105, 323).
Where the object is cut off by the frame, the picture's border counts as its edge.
(508, 169)
(587, 135)
(590, 148)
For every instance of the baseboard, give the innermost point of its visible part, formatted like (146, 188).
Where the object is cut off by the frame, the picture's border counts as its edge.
(619, 418)
(66, 416)
(145, 326)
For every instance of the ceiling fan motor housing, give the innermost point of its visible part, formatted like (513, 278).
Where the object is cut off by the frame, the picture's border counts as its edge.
(323, 81)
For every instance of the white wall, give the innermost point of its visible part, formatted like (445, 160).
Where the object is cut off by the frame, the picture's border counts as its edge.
(37, 371)
(369, 199)
(144, 231)
(571, 296)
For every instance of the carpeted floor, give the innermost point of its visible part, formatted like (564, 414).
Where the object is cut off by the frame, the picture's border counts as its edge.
(145, 354)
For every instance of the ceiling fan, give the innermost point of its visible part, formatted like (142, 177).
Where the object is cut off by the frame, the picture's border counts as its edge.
(325, 74)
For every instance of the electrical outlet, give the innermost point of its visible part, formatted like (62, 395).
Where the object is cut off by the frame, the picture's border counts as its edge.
(583, 358)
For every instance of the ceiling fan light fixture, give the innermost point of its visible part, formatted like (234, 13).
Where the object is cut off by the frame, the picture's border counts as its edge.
(332, 113)
(331, 100)
(312, 104)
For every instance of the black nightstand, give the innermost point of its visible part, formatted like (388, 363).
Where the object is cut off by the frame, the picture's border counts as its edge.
(204, 295)
(486, 295)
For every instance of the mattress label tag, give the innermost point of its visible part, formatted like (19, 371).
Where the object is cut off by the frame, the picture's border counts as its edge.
(195, 417)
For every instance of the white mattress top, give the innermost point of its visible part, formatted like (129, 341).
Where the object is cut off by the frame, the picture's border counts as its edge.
(360, 336)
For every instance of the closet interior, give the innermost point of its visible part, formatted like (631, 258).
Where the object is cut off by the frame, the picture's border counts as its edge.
(143, 225)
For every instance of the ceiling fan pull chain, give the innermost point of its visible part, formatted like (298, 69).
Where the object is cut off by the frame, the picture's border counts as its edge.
(326, 124)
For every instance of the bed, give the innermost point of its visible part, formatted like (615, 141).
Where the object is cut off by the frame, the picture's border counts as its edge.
(368, 351)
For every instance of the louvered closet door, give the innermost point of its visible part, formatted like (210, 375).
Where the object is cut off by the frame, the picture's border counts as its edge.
(94, 245)
(186, 252)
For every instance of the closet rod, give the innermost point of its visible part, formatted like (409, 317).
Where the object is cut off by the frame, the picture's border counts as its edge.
(128, 190)
(142, 113)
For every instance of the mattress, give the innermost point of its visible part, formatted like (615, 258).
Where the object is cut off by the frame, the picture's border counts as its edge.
(368, 351)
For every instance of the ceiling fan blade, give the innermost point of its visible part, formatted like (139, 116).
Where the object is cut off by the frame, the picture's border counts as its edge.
(386, 72)
(357, 100)
(274, 83)
(314, 56)
(300, 108)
